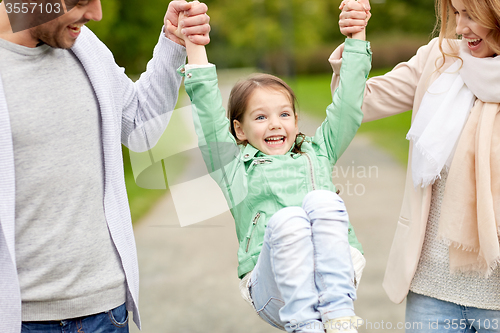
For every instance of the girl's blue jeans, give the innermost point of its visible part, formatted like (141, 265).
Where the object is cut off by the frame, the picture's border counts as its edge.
(428, 314)
(304, 275)
(112, 321)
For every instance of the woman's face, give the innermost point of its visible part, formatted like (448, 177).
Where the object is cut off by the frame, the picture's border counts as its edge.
(471, 31)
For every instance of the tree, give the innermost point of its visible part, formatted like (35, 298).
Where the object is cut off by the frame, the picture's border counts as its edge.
(268, 34)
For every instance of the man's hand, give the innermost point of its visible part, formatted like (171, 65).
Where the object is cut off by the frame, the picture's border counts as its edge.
(354, 16)
(195, 25)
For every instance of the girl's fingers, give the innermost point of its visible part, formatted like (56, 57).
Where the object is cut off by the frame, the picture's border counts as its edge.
(172, 32)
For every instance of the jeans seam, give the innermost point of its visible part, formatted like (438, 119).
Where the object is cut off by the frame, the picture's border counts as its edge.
(269, 317)
(273, 268)
(79, 326)
(315, 259)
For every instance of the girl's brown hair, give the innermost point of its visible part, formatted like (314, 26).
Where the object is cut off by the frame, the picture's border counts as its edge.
(243, 90)
(485, 12)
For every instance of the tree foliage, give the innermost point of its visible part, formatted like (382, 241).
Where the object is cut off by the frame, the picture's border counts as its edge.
(131, 29)
(271, 34)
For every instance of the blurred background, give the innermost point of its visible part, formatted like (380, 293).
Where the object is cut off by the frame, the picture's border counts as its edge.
(285, 37)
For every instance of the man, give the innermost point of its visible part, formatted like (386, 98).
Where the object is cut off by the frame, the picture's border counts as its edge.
(68, 261)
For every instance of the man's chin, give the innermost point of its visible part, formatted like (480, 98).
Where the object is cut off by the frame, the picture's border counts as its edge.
(57, 41)
(59, 44)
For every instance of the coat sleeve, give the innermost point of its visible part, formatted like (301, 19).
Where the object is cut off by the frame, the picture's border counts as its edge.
(394, 92)
(343, 116)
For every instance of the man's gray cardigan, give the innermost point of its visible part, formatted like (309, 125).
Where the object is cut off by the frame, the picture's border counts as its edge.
(124, 106)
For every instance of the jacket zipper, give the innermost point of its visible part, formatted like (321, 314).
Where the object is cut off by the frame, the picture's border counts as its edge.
(311, 170)
(254, 224)
(262, 161)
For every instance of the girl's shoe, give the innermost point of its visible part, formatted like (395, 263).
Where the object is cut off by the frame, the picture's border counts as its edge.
(343, 325)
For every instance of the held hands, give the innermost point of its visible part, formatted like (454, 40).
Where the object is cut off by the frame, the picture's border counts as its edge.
(354, 18)
(194, 24)
(177, 30)
(195, 51)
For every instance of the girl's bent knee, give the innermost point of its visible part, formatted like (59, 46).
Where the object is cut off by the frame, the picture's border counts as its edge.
(284, 215)
(323, 199)
(289, 222)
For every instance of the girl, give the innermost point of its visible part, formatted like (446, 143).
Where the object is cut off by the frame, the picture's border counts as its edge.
(293, 230)
(445, 255)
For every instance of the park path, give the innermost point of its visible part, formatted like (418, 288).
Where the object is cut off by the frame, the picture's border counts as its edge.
(188, 280)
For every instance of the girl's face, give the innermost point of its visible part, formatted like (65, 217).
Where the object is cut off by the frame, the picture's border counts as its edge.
(471, 31)
(269, 123)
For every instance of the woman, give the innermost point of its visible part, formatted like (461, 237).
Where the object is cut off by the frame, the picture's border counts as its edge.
(445, 252)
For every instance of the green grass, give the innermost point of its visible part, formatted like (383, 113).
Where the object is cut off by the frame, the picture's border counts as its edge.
(313, 94)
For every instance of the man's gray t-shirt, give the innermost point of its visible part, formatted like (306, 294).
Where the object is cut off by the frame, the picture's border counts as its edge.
(67, 264)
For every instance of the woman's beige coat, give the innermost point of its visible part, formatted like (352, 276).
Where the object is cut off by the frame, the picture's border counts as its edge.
(398, 91)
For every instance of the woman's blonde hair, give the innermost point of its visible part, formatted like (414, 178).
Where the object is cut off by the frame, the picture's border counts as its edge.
(485, 12)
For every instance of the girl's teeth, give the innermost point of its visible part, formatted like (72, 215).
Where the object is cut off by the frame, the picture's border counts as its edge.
(274, 140)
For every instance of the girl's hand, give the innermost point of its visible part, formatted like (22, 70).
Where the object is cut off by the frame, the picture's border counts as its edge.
(354, 16)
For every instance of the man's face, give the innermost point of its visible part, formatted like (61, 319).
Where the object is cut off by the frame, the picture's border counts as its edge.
(63, 31)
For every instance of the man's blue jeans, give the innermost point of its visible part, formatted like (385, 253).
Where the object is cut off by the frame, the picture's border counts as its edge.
(113, 321)
(304, 275)
(428, 314)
